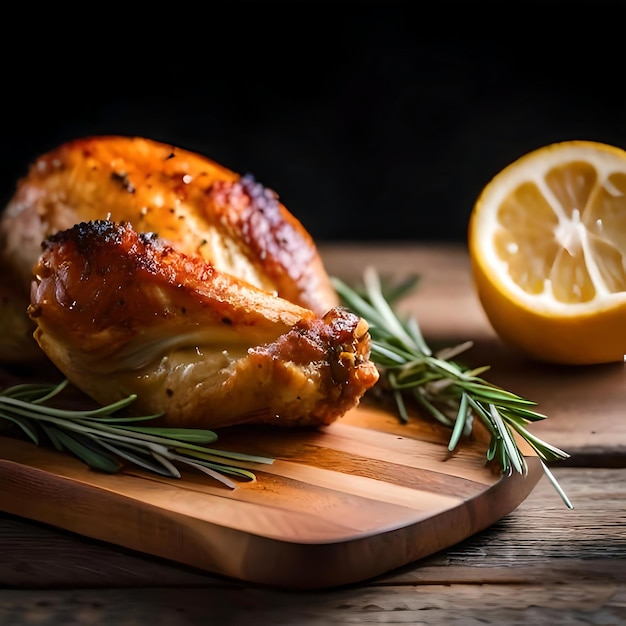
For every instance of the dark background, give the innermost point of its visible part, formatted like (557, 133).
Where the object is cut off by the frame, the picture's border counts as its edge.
(372, 121)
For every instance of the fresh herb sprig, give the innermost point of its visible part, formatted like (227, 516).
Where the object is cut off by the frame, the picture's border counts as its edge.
(104, 440)
(450, 392)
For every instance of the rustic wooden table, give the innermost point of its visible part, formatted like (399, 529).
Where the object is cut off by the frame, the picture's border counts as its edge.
(541, 564)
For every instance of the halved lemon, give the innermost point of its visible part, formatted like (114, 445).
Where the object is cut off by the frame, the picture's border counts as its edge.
(547, 244)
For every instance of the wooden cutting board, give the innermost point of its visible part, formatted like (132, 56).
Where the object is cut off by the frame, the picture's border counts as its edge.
(341, 505)
(338, 506)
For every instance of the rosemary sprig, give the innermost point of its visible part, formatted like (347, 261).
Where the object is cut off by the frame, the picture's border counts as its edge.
(104, 440)
(450, 392)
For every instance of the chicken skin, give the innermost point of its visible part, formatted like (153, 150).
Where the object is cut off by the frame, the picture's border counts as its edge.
(195, 205)
(120, 312)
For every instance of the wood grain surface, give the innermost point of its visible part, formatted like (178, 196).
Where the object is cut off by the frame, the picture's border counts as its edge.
(354, 500)
(541, 564)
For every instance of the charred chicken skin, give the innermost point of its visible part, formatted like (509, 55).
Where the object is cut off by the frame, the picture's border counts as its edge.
(197, 206)
(119, 313)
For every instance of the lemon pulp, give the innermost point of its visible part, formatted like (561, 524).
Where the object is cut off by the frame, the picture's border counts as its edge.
(547, 242)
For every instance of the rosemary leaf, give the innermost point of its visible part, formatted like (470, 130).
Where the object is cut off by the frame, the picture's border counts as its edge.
(137, 456)
(165, 462)
(402, 412)
(459, 425)
(51, 434)
(36, 393)
(432, 408)
(189, 435)
(24, 425)
(512, 451)
(491, 393)
(211, 454)
(388, 317)
(545, 450)
(556, 485)
(94, 458)
(223, 469)
(522, 414)
(205, 468)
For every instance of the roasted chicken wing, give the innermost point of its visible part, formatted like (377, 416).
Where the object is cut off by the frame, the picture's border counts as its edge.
(192, 203)
(119, 313)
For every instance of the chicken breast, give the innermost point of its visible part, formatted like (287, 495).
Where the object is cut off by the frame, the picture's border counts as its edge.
(122, 313)
(192, 203)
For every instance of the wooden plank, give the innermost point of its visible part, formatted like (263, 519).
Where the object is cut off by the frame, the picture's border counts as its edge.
(558, 566)
(497, 604)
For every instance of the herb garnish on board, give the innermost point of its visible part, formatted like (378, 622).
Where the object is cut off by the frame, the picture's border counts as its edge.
(450, 392)
(102, 439)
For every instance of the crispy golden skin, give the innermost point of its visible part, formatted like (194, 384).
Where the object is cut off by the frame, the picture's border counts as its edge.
(188, 200)
(123, 313)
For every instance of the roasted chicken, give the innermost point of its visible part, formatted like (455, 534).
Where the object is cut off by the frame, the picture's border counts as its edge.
(119, 313)
(194, 204)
